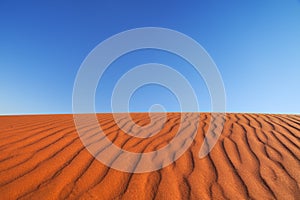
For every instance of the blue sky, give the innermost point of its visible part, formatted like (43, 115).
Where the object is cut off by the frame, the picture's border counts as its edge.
(255, 44)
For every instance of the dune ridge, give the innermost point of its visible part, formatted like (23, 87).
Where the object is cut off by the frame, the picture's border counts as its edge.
(256, 157)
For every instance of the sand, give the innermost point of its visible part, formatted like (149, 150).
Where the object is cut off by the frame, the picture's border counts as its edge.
(256, 157)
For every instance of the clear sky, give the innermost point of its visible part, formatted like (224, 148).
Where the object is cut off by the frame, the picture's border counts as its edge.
(255, 44)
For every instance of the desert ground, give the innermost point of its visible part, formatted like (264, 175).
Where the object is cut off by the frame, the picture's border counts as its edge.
(256, 157)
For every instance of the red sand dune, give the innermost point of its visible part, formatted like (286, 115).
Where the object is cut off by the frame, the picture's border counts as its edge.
(256, 157)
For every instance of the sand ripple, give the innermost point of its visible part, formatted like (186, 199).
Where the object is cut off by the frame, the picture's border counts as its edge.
(256, 157)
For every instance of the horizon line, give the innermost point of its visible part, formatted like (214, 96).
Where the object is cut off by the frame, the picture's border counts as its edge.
(230, 112)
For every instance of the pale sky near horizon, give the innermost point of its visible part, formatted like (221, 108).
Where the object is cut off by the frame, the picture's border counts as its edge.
(255, 45)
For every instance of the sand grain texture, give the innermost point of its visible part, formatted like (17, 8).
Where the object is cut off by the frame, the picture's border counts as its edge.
(256, 157)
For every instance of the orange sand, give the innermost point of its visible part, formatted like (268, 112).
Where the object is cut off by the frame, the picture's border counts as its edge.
(256, 157)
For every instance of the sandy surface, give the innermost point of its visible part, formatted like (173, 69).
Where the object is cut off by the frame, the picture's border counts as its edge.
(256, 157)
